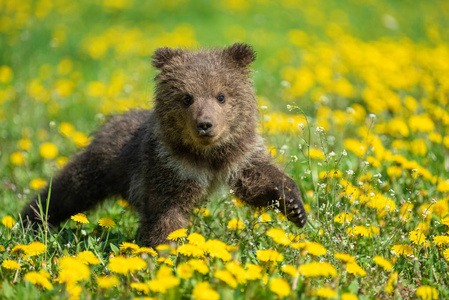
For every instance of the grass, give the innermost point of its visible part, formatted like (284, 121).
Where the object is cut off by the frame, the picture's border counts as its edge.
(353, 104)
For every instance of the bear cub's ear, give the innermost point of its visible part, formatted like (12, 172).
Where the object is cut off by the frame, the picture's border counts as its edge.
(241, 54)
(163, 55)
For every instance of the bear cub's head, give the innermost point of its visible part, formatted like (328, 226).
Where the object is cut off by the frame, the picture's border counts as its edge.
(205, 98)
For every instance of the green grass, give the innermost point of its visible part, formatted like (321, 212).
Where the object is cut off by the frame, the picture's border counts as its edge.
(348, 60)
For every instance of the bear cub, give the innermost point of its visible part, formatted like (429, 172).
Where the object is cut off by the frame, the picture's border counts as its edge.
(168, 160)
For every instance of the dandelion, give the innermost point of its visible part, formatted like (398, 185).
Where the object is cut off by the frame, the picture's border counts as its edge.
(164, 280)
(417, 237)
(446, 253)
(8, 221)
(269, 255)
(392, 281)
(126, 247)
(37, 183)
(35, 248)
(316, 154)
(426, 292)
(107, 282)
(349, 296)
(141, 287)
(80, 139)
(2, 248)
(72, 271)
(235, 224)
(38, 279)
(17, 158)
(190, 250)
(291, 270)
(80, 218)
(343, 218)
(177, 234)
(280, 287)
(347, 258)
(136, 263)
(355, 269)
(443, 186)
(279, 236)
(184, 271)
(10, 264)
(226, 277)
(123, 203)
(106, 222)
(315, 269)
(383, 263)
(196, 239)
(88, 258)
(203, 291)
(315, 249)
(217, 249)
(199, 266)
(265, 218)
(237, 270)
(325, 293)
(166, 261)
(119, 264)
(146, 250)
(66, 129)
(405, 250)
(253, 272)
(48, 150)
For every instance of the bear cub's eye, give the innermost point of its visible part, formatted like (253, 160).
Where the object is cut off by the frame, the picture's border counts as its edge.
(188, 100)
(221, 99)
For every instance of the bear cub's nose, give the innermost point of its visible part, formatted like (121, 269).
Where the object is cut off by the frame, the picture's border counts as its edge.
(204, 126)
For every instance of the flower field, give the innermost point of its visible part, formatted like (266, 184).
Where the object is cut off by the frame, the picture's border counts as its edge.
(354, 105)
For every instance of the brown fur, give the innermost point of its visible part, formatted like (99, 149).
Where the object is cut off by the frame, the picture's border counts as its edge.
(165, 162)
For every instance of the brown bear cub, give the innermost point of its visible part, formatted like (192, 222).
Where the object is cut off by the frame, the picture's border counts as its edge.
(168, 160)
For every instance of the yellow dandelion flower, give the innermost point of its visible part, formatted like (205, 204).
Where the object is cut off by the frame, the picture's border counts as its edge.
(199, 266)
(61, 161)
(190, 250)
(80, 139)
(315, 249)
(196, 239)
(446, 253)
(107, 282)
(316, 154)
(72, 270)
(445, 221)
(146, 250)
(349, 296)
(184, 271)
(141, 287)
(48, 150)
(315, 269)
(88, 258)
(235, 224)
(106, 222)
(343, 218)
(392, 281)
(8, 221)
(426, 292)
(203, 211)
(265, 218)
(203, 291)
(166, 261)
(355, 269)
(398, 250)
(253, 272)
(325, 292)
(38, 279)
(347, 258)
(443, 186)
(279, 236)
(164, 280)
(6, 74)
(291, 270)
(37, 183)
(10, 264)
(35, 248)
(119, 264)
(25, 144)
(358, 230)
(19, 250)
(2, 249)
(269, 255)
(226, 277)
(216, 248)
(17, 158)
(238, 202)
(123, 203)
(177, 234)
(66, 129)
(383, 263)
(237, 271)
(126, 247)
(136, 263)
(280, 287)
(417, 237)
(80, 218)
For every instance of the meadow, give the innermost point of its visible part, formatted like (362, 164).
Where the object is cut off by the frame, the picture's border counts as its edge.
(353, 97)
